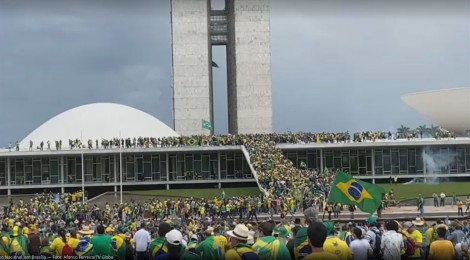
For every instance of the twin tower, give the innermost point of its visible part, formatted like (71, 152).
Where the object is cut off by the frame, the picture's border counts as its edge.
(244, 28)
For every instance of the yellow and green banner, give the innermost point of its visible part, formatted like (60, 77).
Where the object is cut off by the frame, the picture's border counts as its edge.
(191, 141)
(347, 190)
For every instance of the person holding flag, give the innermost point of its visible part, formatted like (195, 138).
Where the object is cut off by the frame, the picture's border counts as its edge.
(347, 190)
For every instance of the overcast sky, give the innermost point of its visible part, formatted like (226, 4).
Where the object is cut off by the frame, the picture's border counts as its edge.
(336, 66)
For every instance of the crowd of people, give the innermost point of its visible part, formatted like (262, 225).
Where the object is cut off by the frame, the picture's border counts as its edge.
(215, 140)
(61, 226)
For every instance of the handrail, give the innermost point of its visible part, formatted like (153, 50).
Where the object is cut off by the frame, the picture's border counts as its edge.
(248, 160)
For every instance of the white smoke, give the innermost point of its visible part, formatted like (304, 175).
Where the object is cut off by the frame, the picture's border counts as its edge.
(437, 162)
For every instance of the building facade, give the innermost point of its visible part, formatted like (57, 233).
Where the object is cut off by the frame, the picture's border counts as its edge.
(168, 166)
(243, 27)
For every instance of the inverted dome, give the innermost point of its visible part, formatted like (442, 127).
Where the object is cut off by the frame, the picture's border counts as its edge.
(448, 108)
(98, 121)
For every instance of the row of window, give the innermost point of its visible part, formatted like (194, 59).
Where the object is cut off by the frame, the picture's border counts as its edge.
(205, 166)
(106, 168)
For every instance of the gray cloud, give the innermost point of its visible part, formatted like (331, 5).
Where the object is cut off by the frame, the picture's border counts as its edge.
(336, 66)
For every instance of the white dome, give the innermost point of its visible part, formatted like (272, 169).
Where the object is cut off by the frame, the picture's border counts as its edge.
(98, 121)
(448, 108)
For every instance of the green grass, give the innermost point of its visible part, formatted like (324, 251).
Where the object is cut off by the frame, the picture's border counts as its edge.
(200, 193)
(411, 191)
(401, 191)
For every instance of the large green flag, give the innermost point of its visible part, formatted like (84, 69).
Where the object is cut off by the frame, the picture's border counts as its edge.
(347, 190)
(206, 125)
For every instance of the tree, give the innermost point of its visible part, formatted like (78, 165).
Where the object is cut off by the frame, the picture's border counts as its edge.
(423, 129)
(403, 131)
(433, 130)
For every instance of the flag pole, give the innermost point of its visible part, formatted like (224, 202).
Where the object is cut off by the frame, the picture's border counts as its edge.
(83, 179)
(326, 201)
(120, 167)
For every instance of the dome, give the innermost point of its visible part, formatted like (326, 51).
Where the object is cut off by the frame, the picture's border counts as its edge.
(98, 121)
(447, 108)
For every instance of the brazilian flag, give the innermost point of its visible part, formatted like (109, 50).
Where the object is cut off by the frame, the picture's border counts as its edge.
(191, 141)
(347, 190)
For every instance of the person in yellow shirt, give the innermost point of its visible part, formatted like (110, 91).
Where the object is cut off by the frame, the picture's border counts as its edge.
(459, 208)
(317, 234)
(409, 230)
(334, 244)
(73, 239)
(58, 243)
(441, 249)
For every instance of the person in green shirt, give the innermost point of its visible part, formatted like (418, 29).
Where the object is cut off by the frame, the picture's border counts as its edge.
(158, 246)
(269, 247)
(174, 241)
(101, 243)
(211, 248)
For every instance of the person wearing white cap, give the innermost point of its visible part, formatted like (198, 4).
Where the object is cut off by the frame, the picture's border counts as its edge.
(239, 249)
(175, 242)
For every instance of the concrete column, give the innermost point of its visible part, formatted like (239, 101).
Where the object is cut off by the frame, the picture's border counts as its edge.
(372, 164)
(218, 167)
(62, 174)
(167, 169)
(220, 185)
(8, 176)
(424, 165)
(321, 160)
(115, 172)
(167, 186)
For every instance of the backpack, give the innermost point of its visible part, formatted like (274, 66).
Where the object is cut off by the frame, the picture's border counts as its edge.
(67, 250)
(410, 245)
(378, 241)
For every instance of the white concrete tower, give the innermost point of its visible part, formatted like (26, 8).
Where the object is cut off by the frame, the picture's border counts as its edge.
(244, 27)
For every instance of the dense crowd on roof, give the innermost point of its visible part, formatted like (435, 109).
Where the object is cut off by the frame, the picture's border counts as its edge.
(292, 138)
(59, 225)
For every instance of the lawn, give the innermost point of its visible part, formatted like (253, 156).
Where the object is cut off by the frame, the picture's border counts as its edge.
(401, 191)
(200, 193)
(411, 191)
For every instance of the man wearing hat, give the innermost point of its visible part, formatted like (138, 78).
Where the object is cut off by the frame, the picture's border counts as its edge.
(410, 231)
(334, 245)
(269, 247)
(238, 238)
(175, 242)
(86, 231)
(421, 227)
